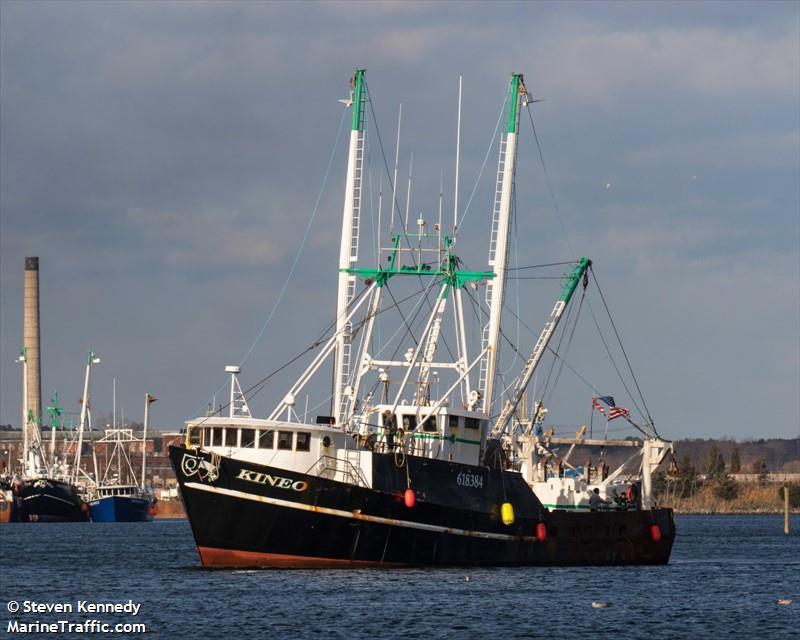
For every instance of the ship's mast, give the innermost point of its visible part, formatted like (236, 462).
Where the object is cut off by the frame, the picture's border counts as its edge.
(148, 400)
(237, 406)
(498, 242)
(26, 440)
(91, 360)
(348, 254)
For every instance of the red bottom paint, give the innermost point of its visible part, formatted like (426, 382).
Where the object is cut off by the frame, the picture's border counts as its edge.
(219, 558)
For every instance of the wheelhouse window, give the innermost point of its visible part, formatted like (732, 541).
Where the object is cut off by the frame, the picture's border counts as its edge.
(285, 440)
(216, 437)
(248, 437)
(266, 439)
(452, 421)
(409, 423)
(472, 423)
(303, 441)
(231, 437)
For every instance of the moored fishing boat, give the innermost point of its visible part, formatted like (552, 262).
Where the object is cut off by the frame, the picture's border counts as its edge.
(121, 503)
(400, 474)
(118, 495)
(45, 491)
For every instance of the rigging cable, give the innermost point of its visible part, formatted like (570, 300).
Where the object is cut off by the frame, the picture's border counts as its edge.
(569, 246)
(460, 222)
(613, 361)
(646, 411)
(297, 256)
(539, 266)
(302, 243)
(550, 349)
(579, 376)
(561, 361)
(549, 182)
(256, 388)
(409, 331)
(569, 340)
(515, 244)
(396, 204)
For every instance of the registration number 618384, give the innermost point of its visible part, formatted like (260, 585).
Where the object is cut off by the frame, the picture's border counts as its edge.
(472, 480)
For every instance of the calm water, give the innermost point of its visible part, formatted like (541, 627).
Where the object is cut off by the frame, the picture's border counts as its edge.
(724, 578)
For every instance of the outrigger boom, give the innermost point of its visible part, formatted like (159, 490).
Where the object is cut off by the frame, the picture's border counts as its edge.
(580, 272)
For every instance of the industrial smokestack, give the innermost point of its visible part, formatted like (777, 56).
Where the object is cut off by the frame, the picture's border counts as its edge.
(31, 342)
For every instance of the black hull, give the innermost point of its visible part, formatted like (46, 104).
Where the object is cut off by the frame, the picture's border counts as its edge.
(48, 500)
(256, 516)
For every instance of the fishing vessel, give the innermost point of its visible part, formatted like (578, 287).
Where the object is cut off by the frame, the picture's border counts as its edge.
(118, 495)
(45, 490)
(429, 456)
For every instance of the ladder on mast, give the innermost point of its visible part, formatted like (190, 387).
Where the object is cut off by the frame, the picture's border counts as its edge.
(490, 285)
(348, 255)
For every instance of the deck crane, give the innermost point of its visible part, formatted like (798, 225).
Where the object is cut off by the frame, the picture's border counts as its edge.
(580, 271)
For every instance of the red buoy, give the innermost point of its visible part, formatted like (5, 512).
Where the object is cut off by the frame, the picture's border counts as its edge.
(541, 532)
(655, 533)
(408, 498)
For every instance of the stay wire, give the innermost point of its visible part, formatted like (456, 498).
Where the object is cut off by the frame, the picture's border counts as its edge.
(624, 353)
(396, 203)
(252, 391)
(513, 347)
(476, 312)
(302, 243)
(515, 243)
(613, 361)
(646, 412)
(549, 375)
(297, 256)
(549, 182)
(571, 337)
(322, 338)
(460, 221)
(539, 266)
(256, 388)
(550, 349)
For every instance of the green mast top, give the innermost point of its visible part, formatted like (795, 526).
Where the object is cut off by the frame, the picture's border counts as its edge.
(516, 88)
(574, 278)
(358, 90)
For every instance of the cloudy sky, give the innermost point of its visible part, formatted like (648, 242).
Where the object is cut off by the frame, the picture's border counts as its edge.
(164, 159)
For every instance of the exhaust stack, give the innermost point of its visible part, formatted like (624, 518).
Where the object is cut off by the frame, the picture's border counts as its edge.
(32, 343)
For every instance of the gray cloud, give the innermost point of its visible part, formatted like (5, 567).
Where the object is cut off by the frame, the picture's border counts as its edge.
(163, 160)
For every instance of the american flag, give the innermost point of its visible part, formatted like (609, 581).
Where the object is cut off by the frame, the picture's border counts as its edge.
(597, 406)
(618, 412)
(609, 400)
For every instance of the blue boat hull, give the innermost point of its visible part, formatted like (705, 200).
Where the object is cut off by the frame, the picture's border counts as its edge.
(121, 509)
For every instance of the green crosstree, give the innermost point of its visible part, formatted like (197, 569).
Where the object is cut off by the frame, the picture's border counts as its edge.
(447, 270)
